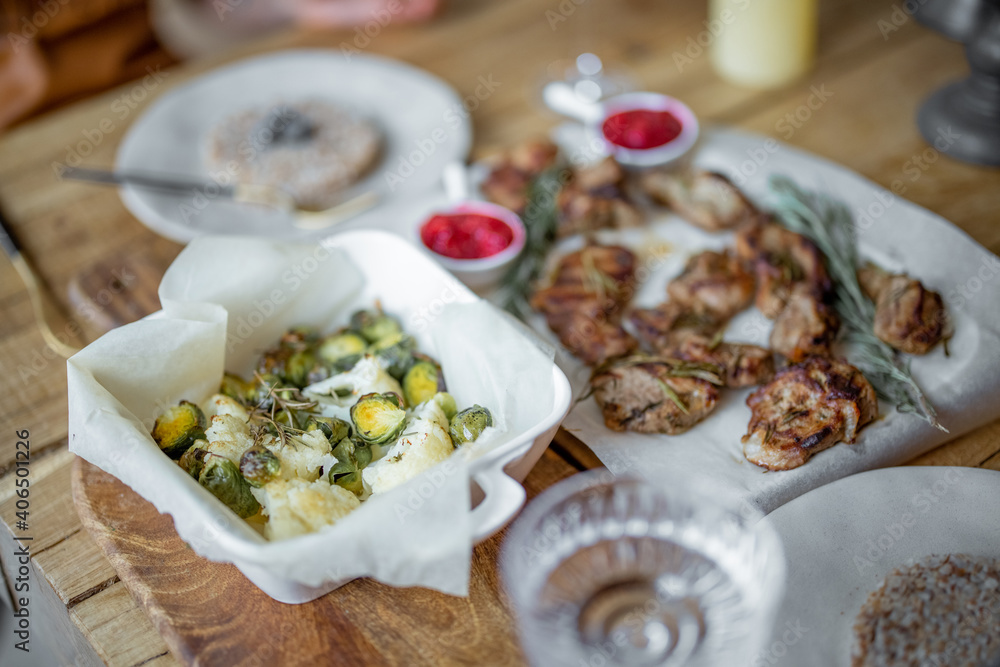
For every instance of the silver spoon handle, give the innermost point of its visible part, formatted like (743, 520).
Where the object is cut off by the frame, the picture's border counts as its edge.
(164, 183)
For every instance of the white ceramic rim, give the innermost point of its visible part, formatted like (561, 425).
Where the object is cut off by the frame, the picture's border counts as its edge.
(491, 210)
(649, 157)
(244, 551)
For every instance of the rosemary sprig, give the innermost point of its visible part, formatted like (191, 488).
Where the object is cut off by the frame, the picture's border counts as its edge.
(829, 224)
(674, 367)
(540, 221)
(279, 402)
(672, 395)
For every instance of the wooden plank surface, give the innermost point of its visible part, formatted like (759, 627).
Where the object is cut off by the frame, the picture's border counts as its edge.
(877, 83)
(210, 614)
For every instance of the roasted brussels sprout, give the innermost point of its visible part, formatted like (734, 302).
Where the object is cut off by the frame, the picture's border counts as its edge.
(293, 365)
(333, 428)
(340, 345)
(422, 381)
(300, 336)
(396, 352)
(262, 390)
(237, 388)
(351, 460)
(295, 419)
(193, 460)
(378, 418)
(176, 429)
(347, 363)
(259, 465)
(302, 369)
(375, 325)
(469, 424)
(274, 360)
(222, 478)
(446, 402)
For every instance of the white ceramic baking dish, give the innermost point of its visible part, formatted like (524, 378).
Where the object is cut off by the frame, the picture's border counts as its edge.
(101, 407)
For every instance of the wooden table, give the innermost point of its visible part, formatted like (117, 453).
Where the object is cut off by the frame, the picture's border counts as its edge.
(875, 79)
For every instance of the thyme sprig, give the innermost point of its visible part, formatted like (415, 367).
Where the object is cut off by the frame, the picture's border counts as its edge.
(283, 399)
(540, 222)
(829, 224)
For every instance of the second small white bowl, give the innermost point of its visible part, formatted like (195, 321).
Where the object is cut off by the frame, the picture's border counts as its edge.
(482, 272)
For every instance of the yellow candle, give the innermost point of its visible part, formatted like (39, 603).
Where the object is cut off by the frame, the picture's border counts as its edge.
(763, 43)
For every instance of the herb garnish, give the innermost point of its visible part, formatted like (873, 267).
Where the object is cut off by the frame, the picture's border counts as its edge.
(540, 221)
(829, 224)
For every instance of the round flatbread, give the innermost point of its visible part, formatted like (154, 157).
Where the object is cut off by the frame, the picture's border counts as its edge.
(311, 149)
(940, 610)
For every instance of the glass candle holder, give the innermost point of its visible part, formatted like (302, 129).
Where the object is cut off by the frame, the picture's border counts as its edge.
(763, 43)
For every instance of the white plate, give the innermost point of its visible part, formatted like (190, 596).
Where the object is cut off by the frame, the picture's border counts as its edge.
(893, 232)
(420, 116)
(841, 540)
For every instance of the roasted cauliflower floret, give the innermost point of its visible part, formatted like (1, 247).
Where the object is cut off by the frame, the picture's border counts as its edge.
(229, 436)
(302, 456)
(424, 444)
(221, 404)
(296, 507)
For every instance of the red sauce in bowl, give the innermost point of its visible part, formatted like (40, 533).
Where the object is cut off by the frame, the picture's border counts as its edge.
(466, 235)
(641, 128)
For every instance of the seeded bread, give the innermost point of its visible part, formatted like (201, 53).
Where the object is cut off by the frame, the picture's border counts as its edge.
(311, 149)
(940, 610)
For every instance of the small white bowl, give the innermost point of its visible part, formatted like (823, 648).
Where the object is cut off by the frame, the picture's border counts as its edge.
(658, 155)
(482, 272)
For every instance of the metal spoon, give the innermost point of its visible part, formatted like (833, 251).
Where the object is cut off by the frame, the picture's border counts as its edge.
(244, 193)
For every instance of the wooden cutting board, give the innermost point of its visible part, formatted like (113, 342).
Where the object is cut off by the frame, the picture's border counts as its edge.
(210, 614)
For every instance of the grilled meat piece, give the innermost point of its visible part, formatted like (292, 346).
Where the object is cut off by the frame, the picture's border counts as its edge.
(583, 304)
(507, 184)
(584, 323)
(615, 263)
(873, 280)
(908, 316)
(594, 340)
(533, 156)
(644, 396)
(780, 258)
(805, 409)
(595, 199)
(703, 198)
(806, 327)
(738, 364)
(670, 324)
(714, 283)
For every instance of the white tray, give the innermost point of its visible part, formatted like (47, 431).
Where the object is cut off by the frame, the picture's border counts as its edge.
(111, 407)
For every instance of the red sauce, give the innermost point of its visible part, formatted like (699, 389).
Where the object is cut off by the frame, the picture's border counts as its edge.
(466, 235)
(641, 128)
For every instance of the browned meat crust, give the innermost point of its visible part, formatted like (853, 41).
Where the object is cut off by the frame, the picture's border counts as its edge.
(873, 280)
(703, 198)
(583, 304)
(586, 266)
(645, 396)
(780, 258)
(670, 324)
(908, 316)
(507, 184)
(805, 409)
(714, 283)
(806, 327)
(738, 364)
(595, 199)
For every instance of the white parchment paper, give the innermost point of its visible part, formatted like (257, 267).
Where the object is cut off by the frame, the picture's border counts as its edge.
(965, 387)
(225, 300)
